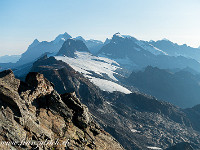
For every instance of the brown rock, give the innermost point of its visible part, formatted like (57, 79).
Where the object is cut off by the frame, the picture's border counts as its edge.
(32, 112)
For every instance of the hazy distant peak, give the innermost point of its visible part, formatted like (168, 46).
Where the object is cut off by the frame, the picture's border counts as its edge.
(151, 41)
(35, 42)
(62, 37)
(95, 41)
(117, 34)
(66, 33)
(117, 37)
(120, 36)
(9, 58)
(80, 38)
(164, 39)
(70, 46)
(107, 41)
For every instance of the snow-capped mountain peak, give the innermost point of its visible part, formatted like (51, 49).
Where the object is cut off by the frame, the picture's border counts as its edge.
(118, 35)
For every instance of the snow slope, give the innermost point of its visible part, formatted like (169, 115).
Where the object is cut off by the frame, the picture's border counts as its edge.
(96, 69)
(109, 86)
(155, 148)
(146, 46)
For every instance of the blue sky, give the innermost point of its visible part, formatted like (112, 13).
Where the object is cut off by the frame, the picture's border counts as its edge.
(21, 21)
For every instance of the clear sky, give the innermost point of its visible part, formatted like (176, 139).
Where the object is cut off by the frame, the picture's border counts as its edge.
(21, 21)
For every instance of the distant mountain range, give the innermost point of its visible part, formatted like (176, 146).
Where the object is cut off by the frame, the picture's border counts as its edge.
(36, 49)
(9, 58)
(126, 50)
(138, 91)
(135, 54)
(115, 58)
(110, 61)
(173, 49)
(180, 88)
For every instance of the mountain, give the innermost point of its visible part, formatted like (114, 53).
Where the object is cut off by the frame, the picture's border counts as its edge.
(123, 45)
(93, 45)
(136, 120)
(179, 88)
(33, 112)
(107, 41)
(135, 54)
(70, 46)
(62, 37)
(96, 72)
(173, 49)
(9, 58)
(194, 115)
(36, 49)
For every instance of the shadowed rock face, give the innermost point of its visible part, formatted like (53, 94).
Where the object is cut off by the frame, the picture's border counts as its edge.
(194, 115)
(72, 45)
(180, 88)
(182, 146)
(33, 111)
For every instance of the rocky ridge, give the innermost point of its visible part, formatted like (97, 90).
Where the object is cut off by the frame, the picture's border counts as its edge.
(33, 112)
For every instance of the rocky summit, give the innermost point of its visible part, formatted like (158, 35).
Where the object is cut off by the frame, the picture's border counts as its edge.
(34, 116)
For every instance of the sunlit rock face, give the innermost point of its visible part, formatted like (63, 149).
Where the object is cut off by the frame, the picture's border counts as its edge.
(32, 111)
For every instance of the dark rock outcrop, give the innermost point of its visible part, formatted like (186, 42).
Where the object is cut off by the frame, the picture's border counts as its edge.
(70, 46)
(93, 45)
(33, 112)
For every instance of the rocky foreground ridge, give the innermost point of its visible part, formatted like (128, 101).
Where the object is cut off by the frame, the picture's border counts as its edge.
(32, 112)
